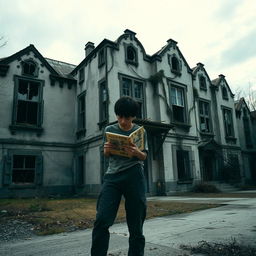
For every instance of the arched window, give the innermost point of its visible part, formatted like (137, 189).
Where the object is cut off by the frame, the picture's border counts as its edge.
(175, 64)
(131, 55)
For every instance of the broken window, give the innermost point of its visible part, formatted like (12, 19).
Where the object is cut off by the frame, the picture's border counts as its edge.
(183, 165)
(28, 102)
(23, 171)
(175, 64)
(178, 104)
(204, 116)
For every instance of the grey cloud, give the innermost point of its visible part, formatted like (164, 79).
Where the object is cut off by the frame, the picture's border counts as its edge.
(241, 50)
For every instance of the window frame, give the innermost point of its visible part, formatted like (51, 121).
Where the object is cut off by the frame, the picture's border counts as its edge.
(132, 93)
(183, 89)
(176, 71)
(15, 125)
(204, 115)
(224, 92)
(202, 83)
(228, 134)
(29, 62)
(102, 57)
(81, 129)
(131, 47)
(8, 168)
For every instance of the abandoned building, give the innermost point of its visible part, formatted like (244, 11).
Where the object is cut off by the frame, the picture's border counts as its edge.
(53, 114)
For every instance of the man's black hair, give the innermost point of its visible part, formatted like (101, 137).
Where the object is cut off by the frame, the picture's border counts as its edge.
(127, 107)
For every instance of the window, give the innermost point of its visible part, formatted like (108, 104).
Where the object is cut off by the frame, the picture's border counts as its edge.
(81, 116)
(175, 64)
(29, 68)
(134, 88)
(228, 122)
(23, 168)
(101, 57)
(103, 101)
(224, 93)
(28, 102)
(204, 116)
(81, 75)
(131, 55)
(183, 165)
(202, 83)
(178, 104)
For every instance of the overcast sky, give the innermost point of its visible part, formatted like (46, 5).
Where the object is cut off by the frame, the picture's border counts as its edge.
(221, 34)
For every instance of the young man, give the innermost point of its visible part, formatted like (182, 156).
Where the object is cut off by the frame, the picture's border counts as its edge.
(124, 177)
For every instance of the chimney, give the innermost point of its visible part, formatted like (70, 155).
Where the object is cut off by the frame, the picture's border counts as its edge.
(89, 47)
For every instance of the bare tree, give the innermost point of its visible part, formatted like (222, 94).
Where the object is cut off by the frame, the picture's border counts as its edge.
(249, 95)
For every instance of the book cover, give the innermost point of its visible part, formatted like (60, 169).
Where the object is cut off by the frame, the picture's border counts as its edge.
(136, 137)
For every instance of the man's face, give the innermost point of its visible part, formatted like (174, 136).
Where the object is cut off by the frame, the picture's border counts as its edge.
(125, 123)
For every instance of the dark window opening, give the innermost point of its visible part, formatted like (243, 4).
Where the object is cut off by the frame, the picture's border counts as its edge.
(81, 112)
(183, 165)
(224, 93)
(202, 83)
(228, 123)
(81, 75)
(23, 171)
(101, 57)
(131, 54)
(29, 68)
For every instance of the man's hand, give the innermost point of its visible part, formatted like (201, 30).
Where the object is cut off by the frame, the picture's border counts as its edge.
(107, 147)
(133, 150)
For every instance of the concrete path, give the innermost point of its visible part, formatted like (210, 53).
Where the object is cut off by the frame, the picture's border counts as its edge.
(236, 219)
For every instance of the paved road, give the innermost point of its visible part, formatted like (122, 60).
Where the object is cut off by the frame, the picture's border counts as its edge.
(236, 219)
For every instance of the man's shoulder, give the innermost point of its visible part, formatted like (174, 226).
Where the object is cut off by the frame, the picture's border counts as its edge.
(111, 128)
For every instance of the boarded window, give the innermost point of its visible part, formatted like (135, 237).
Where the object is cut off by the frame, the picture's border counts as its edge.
(183, 165)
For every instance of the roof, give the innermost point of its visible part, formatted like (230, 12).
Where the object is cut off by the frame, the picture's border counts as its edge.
(62, 68)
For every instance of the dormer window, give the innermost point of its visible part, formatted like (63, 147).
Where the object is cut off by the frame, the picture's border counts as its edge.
(29, 68)
(202, 83)
(131, 55)
(175, 64)
(224, 93)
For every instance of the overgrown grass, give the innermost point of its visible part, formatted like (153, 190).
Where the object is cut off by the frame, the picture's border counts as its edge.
(51, 216)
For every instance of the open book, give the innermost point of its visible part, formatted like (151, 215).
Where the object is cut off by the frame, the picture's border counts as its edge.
(136, 137)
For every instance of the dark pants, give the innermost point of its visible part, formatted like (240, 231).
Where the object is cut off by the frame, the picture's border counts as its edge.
(131, 184)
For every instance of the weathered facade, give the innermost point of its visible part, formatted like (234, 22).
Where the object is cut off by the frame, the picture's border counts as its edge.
(53, 115)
